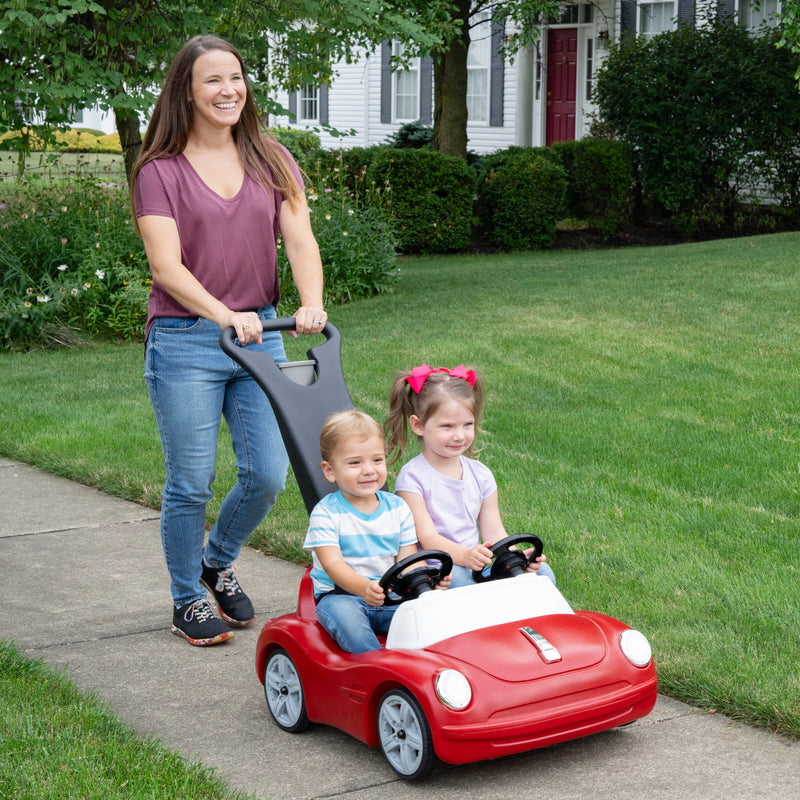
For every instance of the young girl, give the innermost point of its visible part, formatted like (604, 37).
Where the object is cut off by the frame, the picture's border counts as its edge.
(356, 533)
(453, 498)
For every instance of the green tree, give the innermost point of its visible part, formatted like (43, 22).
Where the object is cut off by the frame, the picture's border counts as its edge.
(706, 111)
(59, 56)
(454, 21)
(790, 28)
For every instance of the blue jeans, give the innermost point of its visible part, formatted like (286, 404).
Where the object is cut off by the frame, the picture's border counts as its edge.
(463, 576)
(353, 624)
(192, 385)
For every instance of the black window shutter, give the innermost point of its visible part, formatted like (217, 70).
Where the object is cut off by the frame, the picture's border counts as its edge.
(497, 73)
(386, 81)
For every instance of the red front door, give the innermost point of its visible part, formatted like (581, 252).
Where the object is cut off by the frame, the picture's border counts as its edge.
(562, 68)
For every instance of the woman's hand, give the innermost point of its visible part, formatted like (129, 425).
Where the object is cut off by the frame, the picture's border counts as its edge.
(309, 319)
(247, 325)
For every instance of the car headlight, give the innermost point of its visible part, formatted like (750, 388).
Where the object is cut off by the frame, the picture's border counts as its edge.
(453, 689)
(636, 648)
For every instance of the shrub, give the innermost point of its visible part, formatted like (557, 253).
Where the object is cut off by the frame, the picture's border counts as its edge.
(298, 141)
(355, 241)
(72, 266)
(411, 135)
(702, 107)
(521, 193)
(599, 181)
(429, 196)
(342, 167)
(75, 140)
(70, 260)
(109, 143)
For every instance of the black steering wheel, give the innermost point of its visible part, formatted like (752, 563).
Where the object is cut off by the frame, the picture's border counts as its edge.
(509, 560)
(410, 585)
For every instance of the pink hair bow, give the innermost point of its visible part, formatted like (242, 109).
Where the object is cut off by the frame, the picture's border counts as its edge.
(420, 374)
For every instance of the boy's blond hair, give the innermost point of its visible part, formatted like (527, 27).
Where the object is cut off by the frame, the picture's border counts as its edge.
(350, 424)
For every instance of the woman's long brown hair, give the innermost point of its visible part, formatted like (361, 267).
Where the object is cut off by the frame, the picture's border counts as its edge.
(171, 123)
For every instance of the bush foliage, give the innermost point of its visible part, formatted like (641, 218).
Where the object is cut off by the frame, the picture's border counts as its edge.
(711, 113)
(72, 267)
(70, 264)
(600, 182)
(429, 197)
(75, 140)
(521, 194)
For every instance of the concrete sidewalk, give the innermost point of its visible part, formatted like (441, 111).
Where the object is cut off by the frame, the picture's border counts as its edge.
(86, 588)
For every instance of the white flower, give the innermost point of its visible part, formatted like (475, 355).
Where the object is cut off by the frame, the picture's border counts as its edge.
(100, 274)
(62, 267)
(43, 298)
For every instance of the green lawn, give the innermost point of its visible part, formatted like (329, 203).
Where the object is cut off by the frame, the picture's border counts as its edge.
(643, 419)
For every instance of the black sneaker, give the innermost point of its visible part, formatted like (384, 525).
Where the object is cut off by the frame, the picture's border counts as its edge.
(234, 605)
(198, 625)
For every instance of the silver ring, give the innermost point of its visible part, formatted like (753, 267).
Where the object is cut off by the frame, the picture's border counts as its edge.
(317, 322)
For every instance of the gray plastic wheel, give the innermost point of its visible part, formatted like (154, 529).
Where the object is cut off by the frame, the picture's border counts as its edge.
(284, 692)
(405, 736)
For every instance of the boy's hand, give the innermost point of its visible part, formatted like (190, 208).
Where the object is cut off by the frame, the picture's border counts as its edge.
(444, 582)
(373, 594)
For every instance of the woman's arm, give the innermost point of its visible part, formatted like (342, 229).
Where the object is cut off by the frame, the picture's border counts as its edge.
(302, 251)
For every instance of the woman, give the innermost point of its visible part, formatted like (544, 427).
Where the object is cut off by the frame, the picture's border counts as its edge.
(210, 195)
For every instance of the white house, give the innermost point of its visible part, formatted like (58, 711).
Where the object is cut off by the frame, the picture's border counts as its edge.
(543, 96)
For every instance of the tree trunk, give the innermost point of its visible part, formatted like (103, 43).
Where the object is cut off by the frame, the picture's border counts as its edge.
(450, 92)
(129, 137)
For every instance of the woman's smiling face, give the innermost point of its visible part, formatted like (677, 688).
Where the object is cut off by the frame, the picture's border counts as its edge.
(218, 89)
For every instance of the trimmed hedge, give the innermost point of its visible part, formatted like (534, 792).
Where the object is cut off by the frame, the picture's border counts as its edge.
(521, 193)
(75, 140)
(430, 198)
(600, 180)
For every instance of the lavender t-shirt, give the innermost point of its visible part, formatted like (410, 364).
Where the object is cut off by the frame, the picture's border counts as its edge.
(229, 245)
(453, 504)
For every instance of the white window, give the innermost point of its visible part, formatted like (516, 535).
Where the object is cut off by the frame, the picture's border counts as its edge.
(754, 14)
(479, 59)
(655, 18)
(406, 89)
(308, 104)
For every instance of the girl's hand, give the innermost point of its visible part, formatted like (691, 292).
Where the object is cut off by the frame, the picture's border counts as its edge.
(534, 565)
(373, 594)
(308, 320)
(477, 557)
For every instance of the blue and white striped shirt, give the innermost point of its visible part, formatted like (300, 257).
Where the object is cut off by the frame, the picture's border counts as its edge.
(369, 542)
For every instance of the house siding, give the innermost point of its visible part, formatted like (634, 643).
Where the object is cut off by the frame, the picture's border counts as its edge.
(360, 96)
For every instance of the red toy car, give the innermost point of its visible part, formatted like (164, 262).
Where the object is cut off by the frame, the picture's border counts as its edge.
(466, 674)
